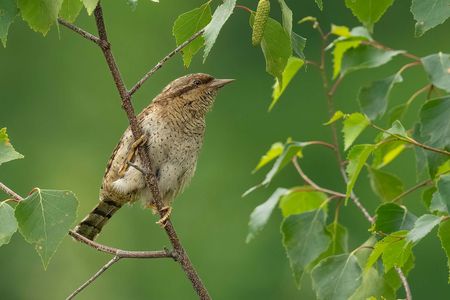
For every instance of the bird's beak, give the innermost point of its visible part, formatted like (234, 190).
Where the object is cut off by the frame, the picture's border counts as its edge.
(218, 83)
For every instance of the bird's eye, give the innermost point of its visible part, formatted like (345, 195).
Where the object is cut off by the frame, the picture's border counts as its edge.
(197, 82)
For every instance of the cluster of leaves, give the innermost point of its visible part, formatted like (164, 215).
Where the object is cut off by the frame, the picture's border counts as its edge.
(319, 247)
(43, 218)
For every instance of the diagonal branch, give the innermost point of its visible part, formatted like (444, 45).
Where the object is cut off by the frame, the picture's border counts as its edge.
(83, 33)
(90, 280)
(162, 61)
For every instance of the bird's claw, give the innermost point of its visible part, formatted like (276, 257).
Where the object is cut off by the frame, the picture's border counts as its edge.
(165, 217)
(131, 154)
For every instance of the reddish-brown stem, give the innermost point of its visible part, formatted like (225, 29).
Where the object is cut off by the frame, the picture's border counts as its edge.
(7, 190)
(244, 8)
(150, 178)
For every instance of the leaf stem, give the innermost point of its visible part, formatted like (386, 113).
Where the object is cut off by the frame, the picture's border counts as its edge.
(412, 189)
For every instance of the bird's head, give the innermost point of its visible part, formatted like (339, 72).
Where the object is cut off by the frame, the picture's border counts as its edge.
(194, 92)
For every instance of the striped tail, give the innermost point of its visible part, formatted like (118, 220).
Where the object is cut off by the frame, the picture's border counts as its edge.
(93, 223)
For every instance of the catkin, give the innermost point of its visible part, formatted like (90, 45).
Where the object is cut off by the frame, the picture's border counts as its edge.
(262, 14)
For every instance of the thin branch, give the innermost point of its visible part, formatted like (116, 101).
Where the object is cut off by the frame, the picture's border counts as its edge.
(122, 253)
(312, 183)
(412, 141)
(83, 33)
(162, 61)
(150, 178)
(418, 92)
(407, 66)
(7, 190)
(90, 280)
(322, 143)
(412, 189)
(405, 283)
(386, 48)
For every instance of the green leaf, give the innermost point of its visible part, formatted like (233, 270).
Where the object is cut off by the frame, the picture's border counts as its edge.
(386, 153)
(220, 16)
(373, 286)
(357, 157)
(368, 12)
(397, 112)
(342, 31)
(396, 130)
(391, 217)
(275, 150)
(286, 17)
(373, 98)
(262, 212)
(70, 10)
(365, 57)
(319, 4)
(91, 5)
(437, 67)
(7, 151)
(423, 225)
(337, 116)
(300, 200)
(394, 249)
(293, 65)
(304, 238)
(336, 277)
(8, 223)
(441, 197)
(435, 123)
(354, 125)
(290, 150)
(339, 240)
(339, 50)
(188, 24)
(429, 13)
(8, 12)
(40, 14)
(44, 219)
(444, 236)
(276, 46)
(387, 186)
(298, 44)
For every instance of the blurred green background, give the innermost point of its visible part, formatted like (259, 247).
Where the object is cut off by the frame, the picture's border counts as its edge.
(63, 113)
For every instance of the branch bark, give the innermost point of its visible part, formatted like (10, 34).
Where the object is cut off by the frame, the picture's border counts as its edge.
(182, 256)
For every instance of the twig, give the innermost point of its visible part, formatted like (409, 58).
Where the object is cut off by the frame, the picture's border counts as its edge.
(150, 178)
(322, 143)
(81, 32)
(412, 141)
(386, 48)
(405, 283)
(407, 66)
(312, 183)
(90, 280)
(10, 192)
(418, 92)
(162, 61)
(122, 253)
(412, 189)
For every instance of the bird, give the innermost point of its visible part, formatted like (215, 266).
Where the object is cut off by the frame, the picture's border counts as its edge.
(173, 126)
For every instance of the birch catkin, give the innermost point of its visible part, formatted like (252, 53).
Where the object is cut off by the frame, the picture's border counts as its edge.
(261, 16)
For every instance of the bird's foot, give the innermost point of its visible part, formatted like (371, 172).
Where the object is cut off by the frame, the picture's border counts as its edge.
(131, 154)
(165, 217)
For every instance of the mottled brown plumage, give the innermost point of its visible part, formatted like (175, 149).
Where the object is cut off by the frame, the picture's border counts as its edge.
(174, 127)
